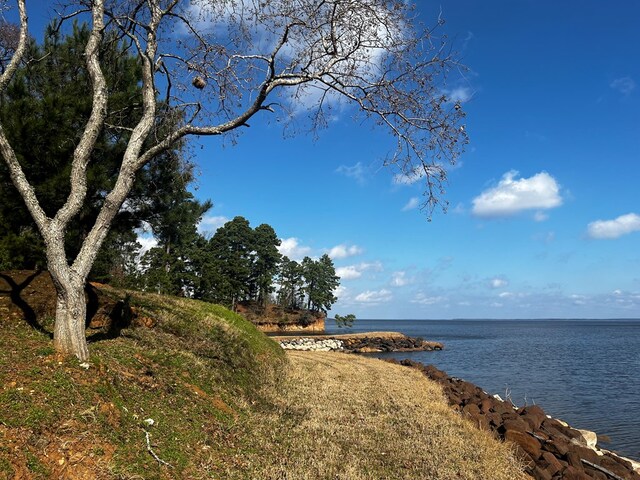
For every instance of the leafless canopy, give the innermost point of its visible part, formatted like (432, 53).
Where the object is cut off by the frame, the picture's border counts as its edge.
(210, 66)
(299, 59)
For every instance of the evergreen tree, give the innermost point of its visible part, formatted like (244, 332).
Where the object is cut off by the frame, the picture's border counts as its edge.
(227, 272)
(291, 283)
(43, 113)
(172, 214)
(321, 282)
(267, 258)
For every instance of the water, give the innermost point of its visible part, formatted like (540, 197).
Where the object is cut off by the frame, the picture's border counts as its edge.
(585, 372)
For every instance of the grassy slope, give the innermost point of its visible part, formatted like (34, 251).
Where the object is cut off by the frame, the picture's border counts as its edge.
(194, 374)
(226, 404)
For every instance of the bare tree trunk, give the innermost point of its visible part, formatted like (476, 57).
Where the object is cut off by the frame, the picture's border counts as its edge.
(69, 330)
(71, 306)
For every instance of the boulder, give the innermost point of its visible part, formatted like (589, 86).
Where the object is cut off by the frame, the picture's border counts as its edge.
(526, 442)
(589, 438)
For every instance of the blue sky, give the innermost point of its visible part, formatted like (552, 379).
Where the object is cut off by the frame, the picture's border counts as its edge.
(544, 217)
(553, 115)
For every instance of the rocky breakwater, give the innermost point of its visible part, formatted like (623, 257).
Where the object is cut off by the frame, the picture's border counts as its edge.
(550, 448)
(373, 342)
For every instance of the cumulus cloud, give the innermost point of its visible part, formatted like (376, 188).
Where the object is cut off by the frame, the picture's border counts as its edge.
(291, 247)
(374, 296)
(624, 85)
(512, 195)
(610, 229)
(351, 272)
(344, 251)
(357, 172)
(411, 204)
(209, 224)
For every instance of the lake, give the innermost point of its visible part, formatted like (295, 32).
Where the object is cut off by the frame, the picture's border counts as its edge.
(585, 372)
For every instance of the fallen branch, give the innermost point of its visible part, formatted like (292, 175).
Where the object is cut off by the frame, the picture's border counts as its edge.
(602, 469)
(153, 454)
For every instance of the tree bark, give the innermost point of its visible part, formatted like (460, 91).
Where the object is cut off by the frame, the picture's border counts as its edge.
(71, 313)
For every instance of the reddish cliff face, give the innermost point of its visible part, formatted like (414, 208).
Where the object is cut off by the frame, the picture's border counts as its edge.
(273, 318)
(316, 326)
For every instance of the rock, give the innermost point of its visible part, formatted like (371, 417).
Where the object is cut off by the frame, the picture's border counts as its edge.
(524, 441)
(533, 415)
(516, 424)
(541, 473)
(553, 464)
(572, 473)
(590, 438)
(486, 405)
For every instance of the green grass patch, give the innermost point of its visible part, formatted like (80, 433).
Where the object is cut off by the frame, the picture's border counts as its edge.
(197, 374)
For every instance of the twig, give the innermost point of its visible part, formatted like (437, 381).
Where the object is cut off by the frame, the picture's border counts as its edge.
(153, 454)
(602, 469)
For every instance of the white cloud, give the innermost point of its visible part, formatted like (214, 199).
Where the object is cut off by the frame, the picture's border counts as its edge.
(400, 279)
(341, 292)
(512, 195)
(609, 229)
(624, 85)
(209, 224)
(351, 272)
(357, 172)
(374, 296)
(344, 251)
(459, 94)
(408, 178)
(422, 299)
(291, 248)
(498, 282)
(411, 204)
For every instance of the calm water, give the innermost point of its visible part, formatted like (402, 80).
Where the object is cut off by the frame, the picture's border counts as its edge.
(585, 372)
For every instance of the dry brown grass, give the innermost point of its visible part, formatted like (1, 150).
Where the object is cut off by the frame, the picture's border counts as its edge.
(347, 417)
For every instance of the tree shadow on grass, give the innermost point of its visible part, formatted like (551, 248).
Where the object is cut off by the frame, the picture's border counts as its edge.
(15, 294)
(119, 317)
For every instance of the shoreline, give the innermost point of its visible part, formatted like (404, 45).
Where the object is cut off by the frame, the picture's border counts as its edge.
(551, 448)
(371, 342)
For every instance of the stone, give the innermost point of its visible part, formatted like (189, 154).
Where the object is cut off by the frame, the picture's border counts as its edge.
(533, 415)
(572, 473)
(615, 465)
(486, 405)
(525, 441)
(590, 438)
(558, 446)
(553, 463)
(541, 473)
(516, 424)
(574, 460)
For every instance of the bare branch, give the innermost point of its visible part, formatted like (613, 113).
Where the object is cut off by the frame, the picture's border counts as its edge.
(15, 170)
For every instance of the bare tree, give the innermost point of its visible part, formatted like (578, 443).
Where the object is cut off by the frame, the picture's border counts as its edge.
(211, 66)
